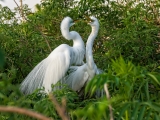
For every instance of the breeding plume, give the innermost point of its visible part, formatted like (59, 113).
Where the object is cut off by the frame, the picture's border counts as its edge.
(80, 74)
(53, 68)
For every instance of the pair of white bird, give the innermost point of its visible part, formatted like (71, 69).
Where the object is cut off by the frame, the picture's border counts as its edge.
(53, 68)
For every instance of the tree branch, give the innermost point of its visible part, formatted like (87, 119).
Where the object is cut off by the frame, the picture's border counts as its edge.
(20, 9)
(61, 109)
(23, 111)
(108, 97)
(44, 37)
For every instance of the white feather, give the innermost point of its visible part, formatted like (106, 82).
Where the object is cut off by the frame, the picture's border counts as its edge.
(55, 66)
(33, 82)
(77, 77)
(81, 74)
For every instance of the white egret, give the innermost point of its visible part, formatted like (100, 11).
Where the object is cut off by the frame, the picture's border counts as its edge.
(80, 74)
(53, 68)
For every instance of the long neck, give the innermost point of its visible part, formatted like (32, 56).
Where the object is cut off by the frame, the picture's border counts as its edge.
(89, 45)
(72, 35)
(65, 31)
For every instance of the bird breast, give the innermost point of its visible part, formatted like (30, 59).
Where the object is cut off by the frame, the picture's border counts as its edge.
(77, 56)
(91, 72)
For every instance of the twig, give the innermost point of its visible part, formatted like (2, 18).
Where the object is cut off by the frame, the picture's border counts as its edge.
(61, 109)
(44, 37)
(17, 5)
(20, 10)
(23, 111)
(108, 97)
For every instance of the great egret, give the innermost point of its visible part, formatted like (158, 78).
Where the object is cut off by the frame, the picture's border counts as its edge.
(53, 68)
(80, 74)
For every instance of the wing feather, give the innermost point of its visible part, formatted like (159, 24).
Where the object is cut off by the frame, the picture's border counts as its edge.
(46, 73)
(34, 79)
(57, 66)
(77, 77)
(99, 71)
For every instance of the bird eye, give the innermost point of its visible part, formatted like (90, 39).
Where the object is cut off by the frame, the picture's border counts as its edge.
(91, 20)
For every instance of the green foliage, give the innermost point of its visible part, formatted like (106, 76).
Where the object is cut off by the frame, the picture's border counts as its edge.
(2, 59)
(135, 36)
(126, 29)
(133, 85)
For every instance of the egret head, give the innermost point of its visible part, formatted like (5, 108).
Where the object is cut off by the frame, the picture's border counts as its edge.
(93, 21)
(67, 21)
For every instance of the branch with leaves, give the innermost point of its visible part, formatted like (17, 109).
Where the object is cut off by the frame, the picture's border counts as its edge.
(24, 112)
(24, 18)
(61, 109)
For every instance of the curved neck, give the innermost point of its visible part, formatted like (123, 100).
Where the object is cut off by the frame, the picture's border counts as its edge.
(72, 35)
(65, 31)
(89, 45)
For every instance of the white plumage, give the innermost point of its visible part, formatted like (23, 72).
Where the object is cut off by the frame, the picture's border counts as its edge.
(53, 68)
(81, 74)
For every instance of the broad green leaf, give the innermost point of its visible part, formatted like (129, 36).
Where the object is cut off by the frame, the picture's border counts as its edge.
(141, 113)
(154, 78)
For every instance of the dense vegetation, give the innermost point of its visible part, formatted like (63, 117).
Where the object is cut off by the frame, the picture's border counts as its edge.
(127, 49)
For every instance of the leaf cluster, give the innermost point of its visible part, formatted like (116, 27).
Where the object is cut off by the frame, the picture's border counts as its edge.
(127, 29)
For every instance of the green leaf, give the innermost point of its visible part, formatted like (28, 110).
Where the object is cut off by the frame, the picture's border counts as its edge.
(141, 113)
(135, 111)
(154, 78)
(2, 60)
(148, 114)
(123, 109)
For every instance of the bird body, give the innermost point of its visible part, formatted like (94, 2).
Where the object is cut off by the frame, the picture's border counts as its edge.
(81, 74)
(53, 68)
(77, 77)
